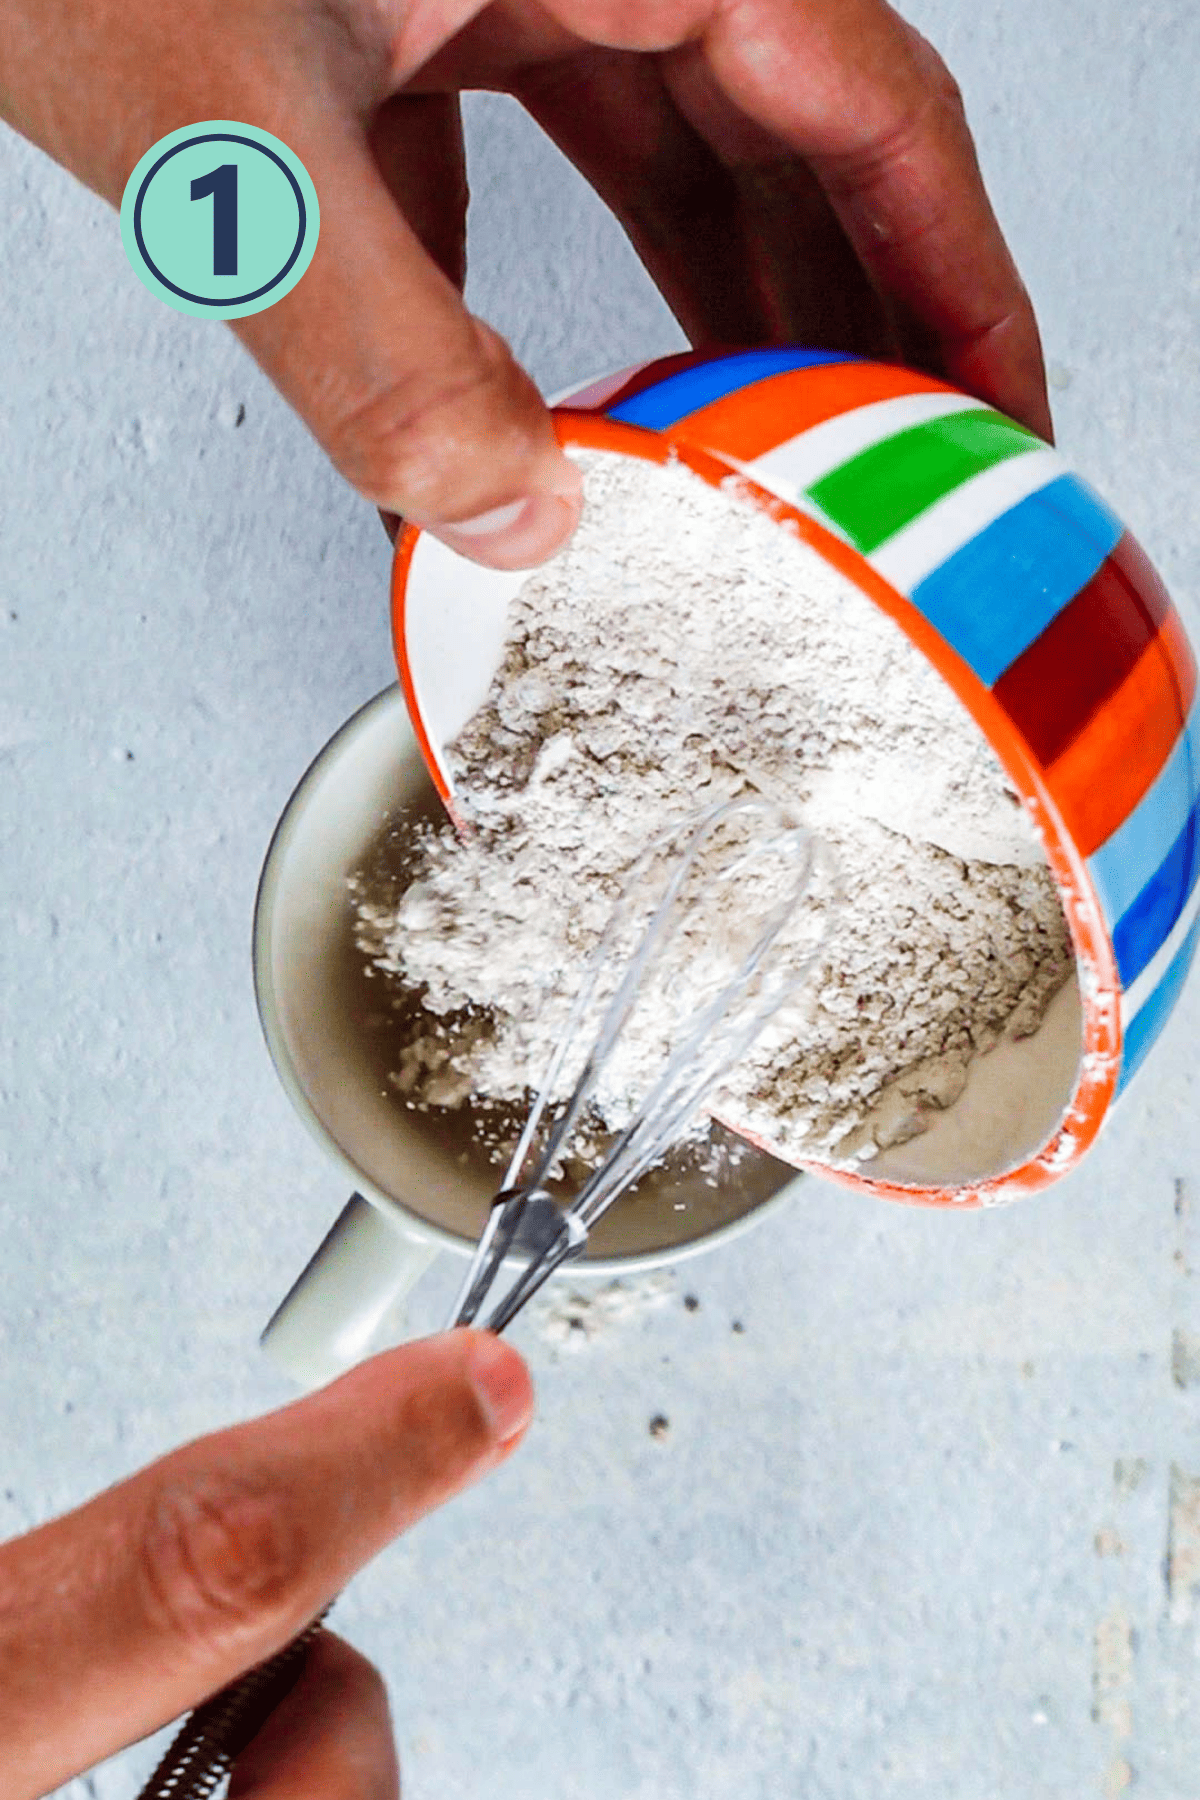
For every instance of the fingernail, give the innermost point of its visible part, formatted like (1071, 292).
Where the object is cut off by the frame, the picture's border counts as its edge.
(487, 524)
(517, 536)
(501, 1382)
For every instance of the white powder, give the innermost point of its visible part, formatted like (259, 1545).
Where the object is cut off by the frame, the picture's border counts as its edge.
(572, 1319)
(682, 649)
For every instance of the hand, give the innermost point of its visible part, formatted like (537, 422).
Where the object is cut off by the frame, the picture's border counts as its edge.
(152, 1596)
(786, 169)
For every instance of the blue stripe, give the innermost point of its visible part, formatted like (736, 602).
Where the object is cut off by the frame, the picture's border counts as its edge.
(1146, 1024)
(1138, 847)
(686, 392)
(992, 598)
(1145, 928)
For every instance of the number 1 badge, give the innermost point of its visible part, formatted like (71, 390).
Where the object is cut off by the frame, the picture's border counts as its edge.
(220, 219)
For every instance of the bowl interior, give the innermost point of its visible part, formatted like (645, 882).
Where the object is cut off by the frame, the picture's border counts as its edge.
(450, 622)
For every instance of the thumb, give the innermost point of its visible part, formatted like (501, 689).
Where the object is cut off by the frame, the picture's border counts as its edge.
(130, 1610)
(421, 406)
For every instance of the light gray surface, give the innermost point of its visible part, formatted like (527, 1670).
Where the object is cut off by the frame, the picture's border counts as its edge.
(863, 1561)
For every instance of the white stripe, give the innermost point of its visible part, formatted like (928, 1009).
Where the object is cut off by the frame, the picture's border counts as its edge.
(801, 502)
(795, 465)
(1137, 994)
(934, 535)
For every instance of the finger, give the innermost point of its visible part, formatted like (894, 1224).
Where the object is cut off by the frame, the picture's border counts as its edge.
(421, 406)
(734, 230)
(609, 113)
(417, 143)
(127, 1612)
(330, 1738)
(817, 287)
(872, 108)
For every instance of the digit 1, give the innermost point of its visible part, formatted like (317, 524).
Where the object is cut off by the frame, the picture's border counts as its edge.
(222, 185)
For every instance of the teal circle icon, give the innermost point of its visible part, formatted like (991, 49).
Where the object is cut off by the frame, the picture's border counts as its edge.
(220, 219)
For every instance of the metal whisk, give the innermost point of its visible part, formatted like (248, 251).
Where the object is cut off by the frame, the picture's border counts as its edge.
(715, 1037)
(524, 1217)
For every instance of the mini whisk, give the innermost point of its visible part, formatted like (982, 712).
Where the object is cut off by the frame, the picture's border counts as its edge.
(715, 1037)
(524, 1217)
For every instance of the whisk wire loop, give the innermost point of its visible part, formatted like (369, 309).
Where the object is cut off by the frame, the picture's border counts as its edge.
(719, 1032)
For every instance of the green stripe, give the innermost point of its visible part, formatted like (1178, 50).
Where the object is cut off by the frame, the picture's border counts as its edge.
(881, 489)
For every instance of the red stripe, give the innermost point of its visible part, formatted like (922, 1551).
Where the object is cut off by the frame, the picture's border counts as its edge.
(1105, 771)
(1084, 654)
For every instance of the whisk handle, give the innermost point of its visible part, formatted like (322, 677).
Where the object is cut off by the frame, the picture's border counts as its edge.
(215, 1734)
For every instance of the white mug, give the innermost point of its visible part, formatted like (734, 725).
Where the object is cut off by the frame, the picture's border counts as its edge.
(413, 1199)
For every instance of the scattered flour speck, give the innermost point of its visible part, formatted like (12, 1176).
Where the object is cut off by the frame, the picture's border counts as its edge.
(574, 1319)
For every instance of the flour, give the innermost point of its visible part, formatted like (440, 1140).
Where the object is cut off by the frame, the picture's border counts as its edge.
(571, 1319)
(682, 649)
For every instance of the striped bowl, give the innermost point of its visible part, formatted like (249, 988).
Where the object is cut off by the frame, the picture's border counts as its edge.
(1042, 613)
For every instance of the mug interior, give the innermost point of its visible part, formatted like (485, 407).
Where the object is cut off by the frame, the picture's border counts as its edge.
(329, 1026)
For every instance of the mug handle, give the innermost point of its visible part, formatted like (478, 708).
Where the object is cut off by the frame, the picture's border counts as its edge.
(364, 1267)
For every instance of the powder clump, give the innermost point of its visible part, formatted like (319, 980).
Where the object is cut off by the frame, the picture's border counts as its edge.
(681, 650)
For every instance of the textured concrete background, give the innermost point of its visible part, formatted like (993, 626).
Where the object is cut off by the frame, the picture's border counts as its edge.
(929, 1524)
